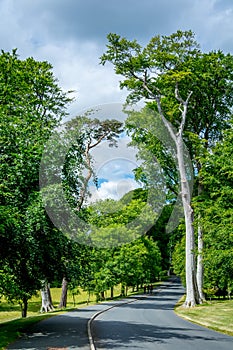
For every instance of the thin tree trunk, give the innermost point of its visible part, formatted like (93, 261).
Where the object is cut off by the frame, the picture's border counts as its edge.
(63, 300)
(200, 246)
(122, 290)
(112, 292)
(200, 266)
(24, 307)
(74, 302)
(88, 297)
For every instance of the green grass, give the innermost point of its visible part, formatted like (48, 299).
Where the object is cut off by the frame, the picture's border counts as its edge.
(215, 314)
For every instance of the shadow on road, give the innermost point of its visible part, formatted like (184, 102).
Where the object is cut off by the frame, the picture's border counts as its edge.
(138, 333)
(66, 330)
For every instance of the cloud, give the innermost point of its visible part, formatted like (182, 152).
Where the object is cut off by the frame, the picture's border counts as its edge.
(112, 189)
(71, 35)
(94, 19)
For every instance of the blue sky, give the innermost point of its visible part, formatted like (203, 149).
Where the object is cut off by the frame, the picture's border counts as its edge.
(71, 35)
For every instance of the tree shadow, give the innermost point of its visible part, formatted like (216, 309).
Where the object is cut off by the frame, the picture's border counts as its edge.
(67, 330)
(134, 335)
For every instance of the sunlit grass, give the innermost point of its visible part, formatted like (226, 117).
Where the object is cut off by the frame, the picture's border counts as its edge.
(216, 315)
(10, 311)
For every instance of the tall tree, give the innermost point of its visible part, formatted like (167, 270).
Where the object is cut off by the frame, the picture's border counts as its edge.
(31, 105)
(71, 174)
(178, 82)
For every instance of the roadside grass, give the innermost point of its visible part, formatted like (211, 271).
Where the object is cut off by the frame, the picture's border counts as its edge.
(215, 314)
(11, 330)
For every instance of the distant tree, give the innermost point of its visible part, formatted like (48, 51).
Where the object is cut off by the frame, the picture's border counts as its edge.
(84, 134)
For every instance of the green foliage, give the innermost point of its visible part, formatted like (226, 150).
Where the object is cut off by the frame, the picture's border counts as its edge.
(164, 73)
(216, 208)
(114, 223)
(31, 105)
(83, 134)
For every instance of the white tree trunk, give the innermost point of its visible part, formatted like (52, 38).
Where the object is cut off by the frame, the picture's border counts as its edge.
(46, 299)
(200, 266)
(200, 246)
(192, 295)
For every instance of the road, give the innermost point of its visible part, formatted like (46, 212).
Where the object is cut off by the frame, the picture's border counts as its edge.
(147, 322)
(151, 324)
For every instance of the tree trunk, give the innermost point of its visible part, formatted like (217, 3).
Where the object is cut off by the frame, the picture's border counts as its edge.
(73, 295)
(200, 266)
(46, 299)
(24, 307)
(122, 290)
(112, 292)
(192, 295)
(200, 246)
(88, 297)
(63, 300)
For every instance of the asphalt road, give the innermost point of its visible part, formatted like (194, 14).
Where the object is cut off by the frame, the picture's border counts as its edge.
(66, 331)
(151, 324)
(146, 323)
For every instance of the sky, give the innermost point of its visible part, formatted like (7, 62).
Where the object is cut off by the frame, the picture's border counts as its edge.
(71, 35)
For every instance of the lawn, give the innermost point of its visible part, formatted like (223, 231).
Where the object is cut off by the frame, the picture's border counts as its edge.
(215, 314)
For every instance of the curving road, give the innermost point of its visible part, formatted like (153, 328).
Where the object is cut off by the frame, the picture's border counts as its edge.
(150, 323)
(145, 323)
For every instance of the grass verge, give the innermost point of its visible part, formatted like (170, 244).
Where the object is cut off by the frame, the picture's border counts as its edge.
(215, 314)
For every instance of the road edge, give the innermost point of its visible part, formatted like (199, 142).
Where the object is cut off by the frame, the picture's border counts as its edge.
(90, 337)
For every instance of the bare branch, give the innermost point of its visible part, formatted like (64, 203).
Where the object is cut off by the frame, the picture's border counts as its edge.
(98, 141)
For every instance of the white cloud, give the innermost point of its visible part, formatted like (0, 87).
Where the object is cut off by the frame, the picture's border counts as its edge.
(112, 189)
(71, 35)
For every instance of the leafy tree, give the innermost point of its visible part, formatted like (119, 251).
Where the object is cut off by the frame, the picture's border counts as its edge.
(114, 223)
(215, 207)
(139, 262)
(216, 203)
(31, 105)
(178, 82)
(66, 171)
(84, 134)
